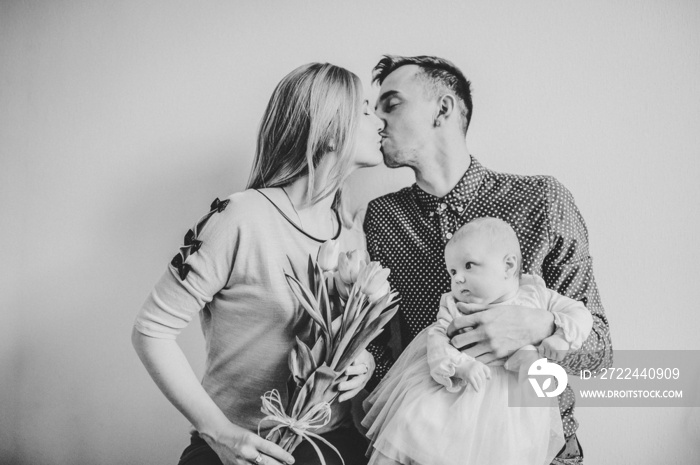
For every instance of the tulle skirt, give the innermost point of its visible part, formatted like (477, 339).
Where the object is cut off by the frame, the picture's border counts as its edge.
(412, 419)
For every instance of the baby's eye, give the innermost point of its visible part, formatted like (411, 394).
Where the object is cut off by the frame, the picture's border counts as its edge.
(468, 265)
(452, 272)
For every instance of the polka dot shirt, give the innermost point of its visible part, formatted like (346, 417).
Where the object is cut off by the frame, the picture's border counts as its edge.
(407, 232)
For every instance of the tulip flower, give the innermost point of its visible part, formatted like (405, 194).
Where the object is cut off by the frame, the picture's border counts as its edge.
(372, 278)
(349, 301)
(328, 255)
(350, 264)
(341, 287)
(384, 290)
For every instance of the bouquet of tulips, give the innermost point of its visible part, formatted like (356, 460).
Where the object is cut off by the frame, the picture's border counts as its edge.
(349, 301)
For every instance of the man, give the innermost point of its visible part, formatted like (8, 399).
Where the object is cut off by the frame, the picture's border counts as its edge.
(426, 106)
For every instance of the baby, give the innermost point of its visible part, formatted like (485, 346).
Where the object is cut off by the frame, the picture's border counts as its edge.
(439, 405)
(484, 262)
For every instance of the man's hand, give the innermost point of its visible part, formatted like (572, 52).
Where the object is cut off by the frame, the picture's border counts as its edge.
(494, 333)
(359, 373)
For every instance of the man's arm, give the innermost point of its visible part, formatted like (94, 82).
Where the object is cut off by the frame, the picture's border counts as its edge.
(568, 269)
(379, 348)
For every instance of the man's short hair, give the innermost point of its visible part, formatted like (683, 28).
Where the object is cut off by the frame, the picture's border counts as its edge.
(437, 73)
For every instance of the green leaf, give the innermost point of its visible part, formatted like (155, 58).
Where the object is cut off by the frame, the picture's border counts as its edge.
(326, 309)
(307, 301)
(362, 340)
(335, 329)
(307, 364)
(294, 270)
(319, 351)
(382, 305)
(320, 387)
(295, 366)
(310, 268)
(300, 396)
(349, 333)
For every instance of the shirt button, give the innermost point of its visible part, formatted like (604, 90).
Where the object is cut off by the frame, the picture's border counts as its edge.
(460, 208)
(448, 236)
(443, 206)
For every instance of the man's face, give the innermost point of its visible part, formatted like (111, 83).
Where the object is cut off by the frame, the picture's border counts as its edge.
(408, 115)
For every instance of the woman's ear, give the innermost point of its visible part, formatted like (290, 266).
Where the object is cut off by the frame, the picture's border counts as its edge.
(511, 266)
(446, 106)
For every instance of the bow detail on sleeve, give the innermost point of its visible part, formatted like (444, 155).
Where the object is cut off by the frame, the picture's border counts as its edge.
(192, 244)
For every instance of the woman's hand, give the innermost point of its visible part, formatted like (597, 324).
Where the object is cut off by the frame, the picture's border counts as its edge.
(238, 446)
(359, 374)
(169, 368)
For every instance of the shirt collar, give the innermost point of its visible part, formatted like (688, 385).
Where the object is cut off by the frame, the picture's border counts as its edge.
(460, 195)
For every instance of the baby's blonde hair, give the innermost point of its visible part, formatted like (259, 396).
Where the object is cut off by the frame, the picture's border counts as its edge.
(498, 231)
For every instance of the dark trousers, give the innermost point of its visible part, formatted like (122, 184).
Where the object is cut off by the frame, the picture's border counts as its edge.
(351, 445)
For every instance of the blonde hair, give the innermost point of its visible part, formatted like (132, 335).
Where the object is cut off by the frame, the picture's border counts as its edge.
(312, 111)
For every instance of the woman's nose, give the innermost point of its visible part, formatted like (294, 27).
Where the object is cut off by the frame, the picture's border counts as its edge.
(379, 123)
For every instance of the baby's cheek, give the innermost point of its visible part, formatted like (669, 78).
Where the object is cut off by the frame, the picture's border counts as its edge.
(466, 299)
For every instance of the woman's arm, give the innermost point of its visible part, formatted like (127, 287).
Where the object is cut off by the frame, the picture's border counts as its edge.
(196, 274)
(167, 365)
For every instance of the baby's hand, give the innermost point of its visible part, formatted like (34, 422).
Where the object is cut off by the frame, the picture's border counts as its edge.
(554, 347)
(522, 358)
(474, 372)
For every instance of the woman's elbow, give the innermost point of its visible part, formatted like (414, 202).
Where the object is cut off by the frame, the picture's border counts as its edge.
(138, 341)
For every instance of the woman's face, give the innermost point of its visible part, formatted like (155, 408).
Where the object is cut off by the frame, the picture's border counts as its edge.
(368, 142)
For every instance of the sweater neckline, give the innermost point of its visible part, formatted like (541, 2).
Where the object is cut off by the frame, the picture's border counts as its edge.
(296, 226)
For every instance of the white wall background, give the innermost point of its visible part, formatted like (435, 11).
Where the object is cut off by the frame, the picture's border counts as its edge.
(121, 121)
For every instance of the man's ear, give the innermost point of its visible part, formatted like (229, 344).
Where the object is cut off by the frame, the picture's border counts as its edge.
(511, 266)
(446, 106)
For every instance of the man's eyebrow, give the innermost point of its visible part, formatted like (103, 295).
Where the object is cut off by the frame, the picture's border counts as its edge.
(388, 94)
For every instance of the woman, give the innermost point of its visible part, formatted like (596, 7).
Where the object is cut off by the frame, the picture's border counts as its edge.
(316, 130)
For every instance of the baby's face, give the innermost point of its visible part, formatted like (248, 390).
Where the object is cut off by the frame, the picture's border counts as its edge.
(477, 270)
